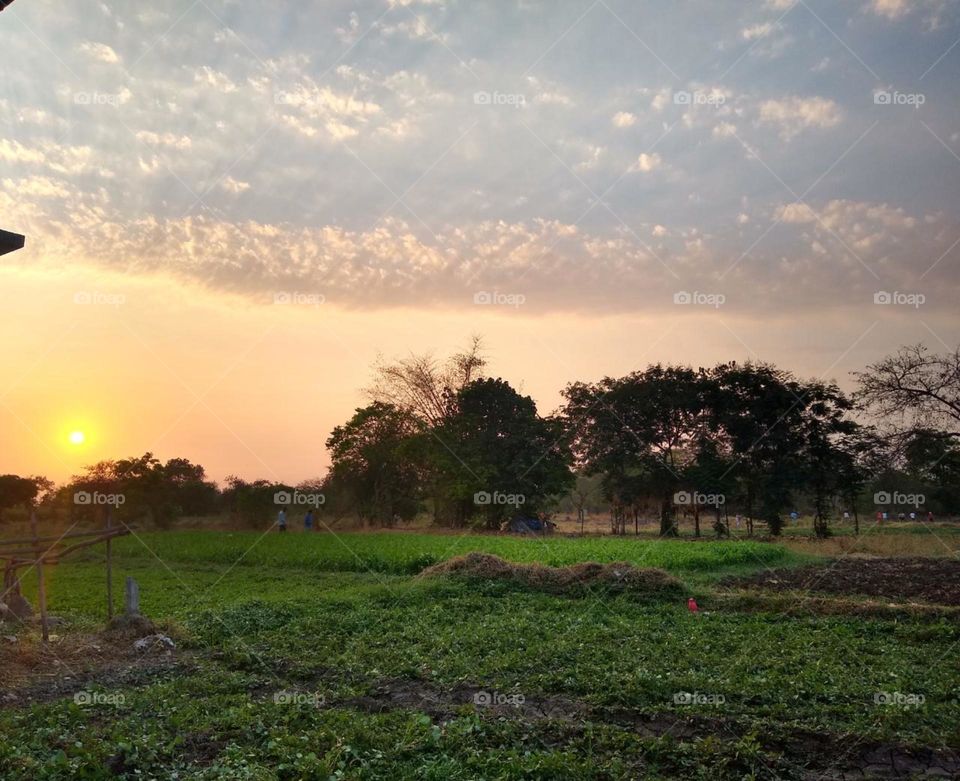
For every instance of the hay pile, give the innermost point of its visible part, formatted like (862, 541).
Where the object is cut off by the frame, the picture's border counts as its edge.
(586, 578)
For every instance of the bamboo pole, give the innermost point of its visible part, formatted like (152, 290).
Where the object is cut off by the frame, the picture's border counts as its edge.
(41, 585)
(52, 538)
(109, 565)
(50, 555)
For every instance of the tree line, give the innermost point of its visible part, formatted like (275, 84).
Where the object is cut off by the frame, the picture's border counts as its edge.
(443, 437)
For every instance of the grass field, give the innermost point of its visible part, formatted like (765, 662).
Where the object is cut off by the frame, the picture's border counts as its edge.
(322, 656)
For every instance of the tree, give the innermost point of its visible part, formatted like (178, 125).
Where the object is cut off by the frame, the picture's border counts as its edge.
(495, 454)
(918, 389)
(638, 430)
(760, 408)
(932, 458)
(824, 460)
(254, 502)
(149, 487)
(584, 492)
(373, 464)
(862, 454)
(16, 491)
(420, 385)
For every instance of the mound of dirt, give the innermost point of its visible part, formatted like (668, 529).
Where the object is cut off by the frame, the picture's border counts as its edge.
(578, 579)
(929, 580)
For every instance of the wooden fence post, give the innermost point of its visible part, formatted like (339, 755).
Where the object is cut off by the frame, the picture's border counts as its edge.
(109, 565)
(41, 585)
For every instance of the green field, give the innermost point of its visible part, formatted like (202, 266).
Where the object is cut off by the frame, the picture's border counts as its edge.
(386, 667)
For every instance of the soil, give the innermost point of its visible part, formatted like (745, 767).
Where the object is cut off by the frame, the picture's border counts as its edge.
(825, 756)
(936, 581)
(31, 672)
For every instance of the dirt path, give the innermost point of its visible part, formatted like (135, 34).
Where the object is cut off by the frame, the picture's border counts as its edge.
(936, 581)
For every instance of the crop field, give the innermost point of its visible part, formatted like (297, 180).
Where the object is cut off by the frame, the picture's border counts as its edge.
(408, 554)
(328, 656)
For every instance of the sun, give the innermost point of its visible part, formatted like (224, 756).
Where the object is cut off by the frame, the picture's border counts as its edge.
(77, 437)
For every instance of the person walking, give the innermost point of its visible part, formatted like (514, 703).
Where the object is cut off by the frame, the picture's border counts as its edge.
(308, 521)
(282, 520)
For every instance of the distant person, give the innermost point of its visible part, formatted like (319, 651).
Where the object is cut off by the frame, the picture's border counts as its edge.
(846, 516)
(885, 516)
(738, 519)
(795, 517)
(308, 521)
(901, 517)
(929, 516)
(913, 516)
(879, 517)
(282, 520)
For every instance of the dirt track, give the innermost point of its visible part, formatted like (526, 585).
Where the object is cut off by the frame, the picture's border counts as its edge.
(929, 580)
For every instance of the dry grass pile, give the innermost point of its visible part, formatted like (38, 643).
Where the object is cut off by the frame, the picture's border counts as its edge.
(586, 578)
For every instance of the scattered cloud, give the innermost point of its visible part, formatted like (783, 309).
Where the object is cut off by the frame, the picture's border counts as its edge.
(794, 115)
(100, 52)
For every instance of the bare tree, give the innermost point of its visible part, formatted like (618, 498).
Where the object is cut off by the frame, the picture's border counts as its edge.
(914, 388)
(420, 383)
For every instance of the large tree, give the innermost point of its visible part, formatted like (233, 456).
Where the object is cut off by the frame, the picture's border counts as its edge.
(421, 384)
(149, 487)
(374, 465)
(17, 491)
(914, 388)
(639, 431)
(760, 408)
(825, 456)
(496, 455)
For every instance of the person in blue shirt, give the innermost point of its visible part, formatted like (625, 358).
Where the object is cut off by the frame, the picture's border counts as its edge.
(308, 521)
(282, 520)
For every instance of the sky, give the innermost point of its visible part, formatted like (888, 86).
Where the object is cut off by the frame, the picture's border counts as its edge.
(232, 208)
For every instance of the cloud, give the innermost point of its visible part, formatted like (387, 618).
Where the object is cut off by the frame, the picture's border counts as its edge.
(164, 139)
(647, 163)
(891, 9)
(213, 78)
(99, 52)
(37, 186)
(59, 158)
(324, 151)
(724, 130)
(794, 114)
(757, 31)
(234, 186)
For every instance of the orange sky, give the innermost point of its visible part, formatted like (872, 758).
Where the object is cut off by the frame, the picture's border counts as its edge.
(254, 389)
